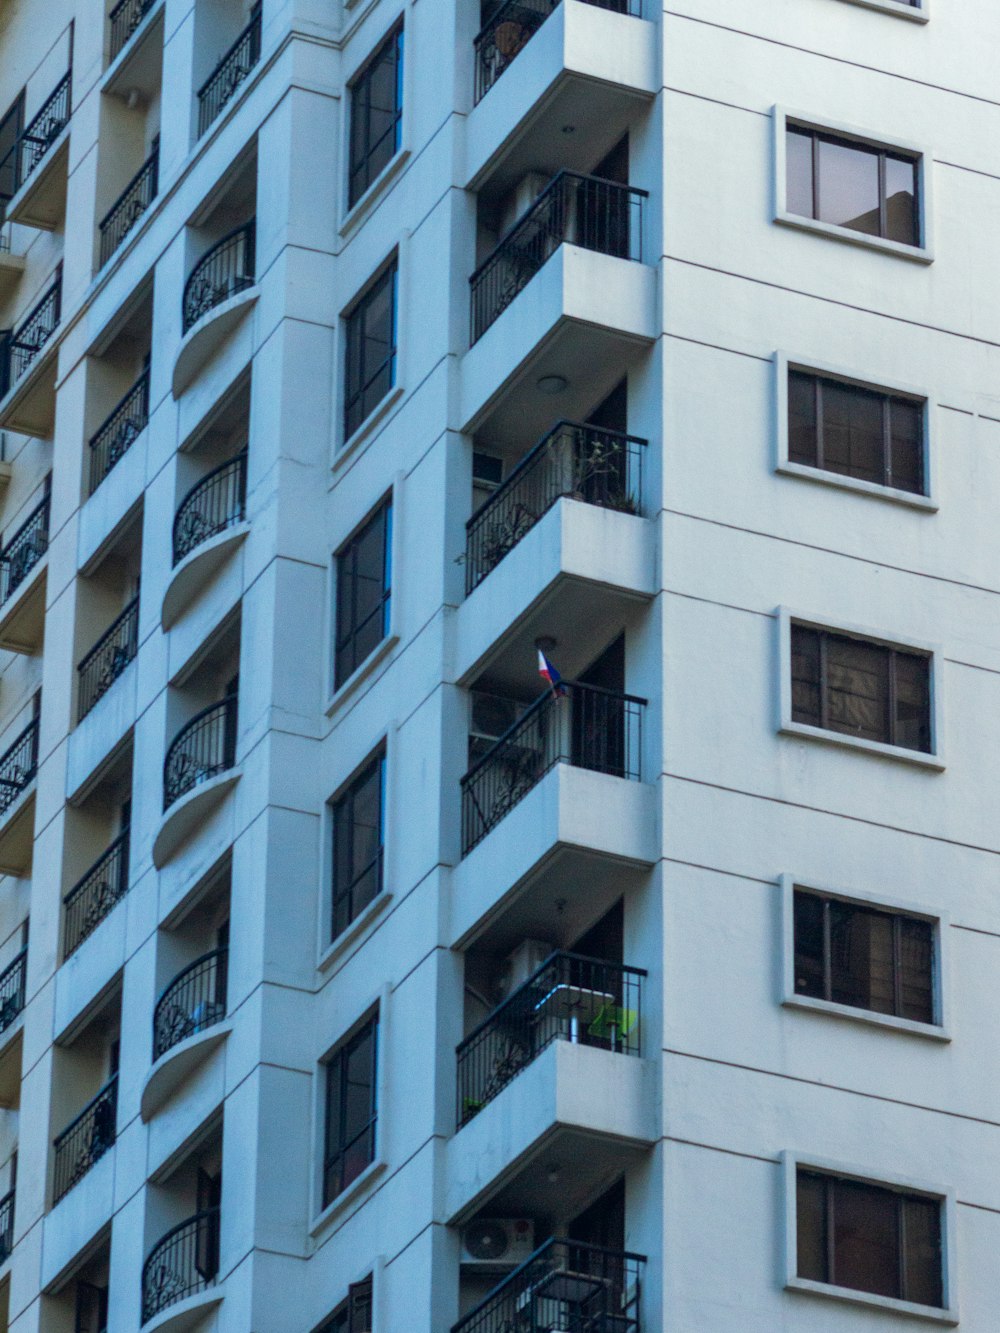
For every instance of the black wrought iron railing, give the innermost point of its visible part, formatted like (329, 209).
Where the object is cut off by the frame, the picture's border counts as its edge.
(6, 1226)
(12, 980)
(24, 550)
(124, 19)
(587, 211)
(35, 141)
(184, 1262)
(91, 898)
(586, 726)
(212, 505)
(85, 1140)
(20, 348)
(564, 1285)
(230, 72)
(18, 766)
(600, 467)
(130, 205)
(569, 998)
(108, 658)
(119, 431)
(224, 271)
(203, 748)
(194, 1000)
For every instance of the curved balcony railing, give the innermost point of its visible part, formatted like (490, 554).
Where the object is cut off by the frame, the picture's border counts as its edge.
(119, 431)
(217, 502)
(203, 748)
(12, 980)
(85, 1140)
(585, 725)
(124, 19)
(18, 766)
(25, 549)
(194, 1000)
(35, 141)
(230, 72)
(6, 1226)
(224, 271)
(569, 998)
(600, 467)
(108, 658)
(22, 347)
(184, 1262)
(587, 211)
(130, 205)
(564, 1285)
(91, 898)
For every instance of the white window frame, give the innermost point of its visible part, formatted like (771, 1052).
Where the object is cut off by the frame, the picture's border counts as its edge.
(945, 1314)
(934, 759)
(916, 14)
(785, 363)
(939, 922)
(921, 254)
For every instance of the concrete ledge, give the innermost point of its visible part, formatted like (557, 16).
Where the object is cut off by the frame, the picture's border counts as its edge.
(185, 1314)
(41, 200)
(22, 615)
(190, 810)
(100, 731)
(30, 406)
(194, 571)
(204, 338)
(175, 1065)
(74, 1221)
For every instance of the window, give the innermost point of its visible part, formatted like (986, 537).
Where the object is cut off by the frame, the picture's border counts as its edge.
(862, 187)
(864, 957)
(868, 1238)
(371, 350)
(364, 593)
(376, 115)
(351, 1110)
(358, 840)
(355, 1314)
(856, 432)
(860, 688)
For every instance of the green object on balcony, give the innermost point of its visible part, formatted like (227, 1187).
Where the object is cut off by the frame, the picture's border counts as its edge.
(612, 1023)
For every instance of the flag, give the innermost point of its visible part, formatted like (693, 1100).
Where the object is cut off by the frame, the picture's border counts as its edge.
(546, 669)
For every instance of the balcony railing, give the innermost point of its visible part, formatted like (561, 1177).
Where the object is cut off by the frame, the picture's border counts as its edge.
(586, 726)
(212, 505)
(133, 201)
(224, 271)
(125, 18)
(6, 1226)
(203, 748)
(91, 898)
(512, 27)
(600, 467)
(108, 658)
(21, 347)
(85, 1140)
(564, 1285)
(35, 141)
(569, 998)
(184, 1262)
(116, 435)
(18, 766)
(12, 980)
(230, 72)
(24, 550)
(194, 1000)
(587, 211)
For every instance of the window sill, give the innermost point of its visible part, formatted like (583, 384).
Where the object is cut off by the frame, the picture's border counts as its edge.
(896, 752)
(352, 682)
(357, 213)
(367, 427)
(829, 1008)
(895, 7)
(931, 1313)
(350, 934)
(925, 503)
(346, 1197)
(915, 253)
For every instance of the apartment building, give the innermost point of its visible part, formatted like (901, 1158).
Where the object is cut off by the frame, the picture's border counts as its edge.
(357, 357)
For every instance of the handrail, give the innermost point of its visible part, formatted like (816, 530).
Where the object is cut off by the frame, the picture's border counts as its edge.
(130, 205)
(108, 658)
(18, 766)
(224, 270)
(193, 1269)
(218, 753)
(45, 127)
(12, 980)
(25, 549)
(227, 506)
(193, 1000)
(76, 1153)
(231, 70)
(94, 894)
(119, 430)
(125, 19)
(25, 342)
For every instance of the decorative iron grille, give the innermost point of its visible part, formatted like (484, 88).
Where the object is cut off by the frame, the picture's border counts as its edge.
(12, 980)
(24, 550)
(91, 898)
(6, 1226)
(24, 344)
(212, 505)
(85, 1140)
(125, 18)
(184, 1262)
(203, 748)
(108, 658)
(230, 72)
(130, 205)
(224, 271)
(35, 141)
(119, 431)
(194, 1000)
(18, 766)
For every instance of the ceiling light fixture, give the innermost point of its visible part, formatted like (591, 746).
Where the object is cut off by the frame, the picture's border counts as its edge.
(552, 384)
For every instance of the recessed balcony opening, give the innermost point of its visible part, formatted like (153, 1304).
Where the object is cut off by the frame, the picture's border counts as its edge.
(128, 151)
(96, 866)
(183, 1231)
(80, 1303)
(28, 362)
(212, 477)
(23, 563)
(8, 1195)
(18, 771)
(192, 964)
(116, 411)
(84, 1113)
(227, 48)
(13, 993)
(35, 156)
(106, 636)
(202, 712)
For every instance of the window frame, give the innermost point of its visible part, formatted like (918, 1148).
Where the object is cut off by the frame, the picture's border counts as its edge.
(939, 922)
(785, 364)
(390, 265)
(387, 502)
(947, 1313)
(915, 13)
(332, 942)
(353, 208)
(923, 253)
(932, 759)
(345, 1306)
(369, 1021)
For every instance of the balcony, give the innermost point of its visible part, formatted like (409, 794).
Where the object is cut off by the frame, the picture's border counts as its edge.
(40, 158)
(108, 658)
(125, 19)
(92, 898)
(230, 72)
(11, 265)
(133, 201)
(564, 1285)
(22, 590)
(209, 524)
(217, 295)
(7, 1226)
(85, 1140)
(198, 772)
(27, 370)
(12, 982)
(188, 1024)
(119, 431)
(182, 1265)
(18, 768)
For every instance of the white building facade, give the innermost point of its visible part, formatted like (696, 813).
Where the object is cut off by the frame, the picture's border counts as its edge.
(353, 354)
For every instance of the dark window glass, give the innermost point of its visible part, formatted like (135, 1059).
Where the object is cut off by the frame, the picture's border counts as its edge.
(91, 1308)
(869, 1238)
(355, 1314)
(376, 115)
(862, 689)
(364, 591)
(371, 350)
(357, 844)
(10, 131)
(856, 432)
(859, 186)
(351, 1110)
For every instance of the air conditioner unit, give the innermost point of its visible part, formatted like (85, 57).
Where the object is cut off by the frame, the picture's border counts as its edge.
(521, 197)
(520, 964)
(492, 715)
(497, 1243)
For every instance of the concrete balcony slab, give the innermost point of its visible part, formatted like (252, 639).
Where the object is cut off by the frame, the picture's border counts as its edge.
(41, 200)
(100, 733)
(137, 64)
(192, 574)
(22, 615)
(110, 504)
(192, 1312)
(177, 1065)
(182, 818)
(29, 407)
(204, 338)
(77, 1218)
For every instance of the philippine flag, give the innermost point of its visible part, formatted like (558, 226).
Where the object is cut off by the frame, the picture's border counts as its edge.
(546, 669)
